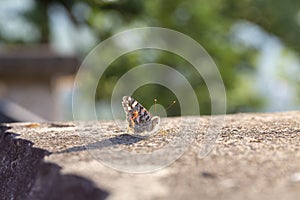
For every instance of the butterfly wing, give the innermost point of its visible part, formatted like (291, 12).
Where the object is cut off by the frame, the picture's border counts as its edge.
(139, 119)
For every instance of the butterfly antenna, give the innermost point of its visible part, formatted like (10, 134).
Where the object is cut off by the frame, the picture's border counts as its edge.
(155, 100)
(173, 102)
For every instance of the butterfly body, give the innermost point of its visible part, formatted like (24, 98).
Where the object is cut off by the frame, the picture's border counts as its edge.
(139, 118)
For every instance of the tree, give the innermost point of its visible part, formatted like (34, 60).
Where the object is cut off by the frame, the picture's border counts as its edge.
(208, 22)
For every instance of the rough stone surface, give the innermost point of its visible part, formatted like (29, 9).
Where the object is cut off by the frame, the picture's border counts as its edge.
(256, 156)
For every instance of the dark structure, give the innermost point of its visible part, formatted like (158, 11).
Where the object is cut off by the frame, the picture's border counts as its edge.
(34, 78)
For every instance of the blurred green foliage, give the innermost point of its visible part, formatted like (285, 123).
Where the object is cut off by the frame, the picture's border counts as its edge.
(208, 22)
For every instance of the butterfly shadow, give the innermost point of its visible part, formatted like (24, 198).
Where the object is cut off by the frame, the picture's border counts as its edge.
(123, 139)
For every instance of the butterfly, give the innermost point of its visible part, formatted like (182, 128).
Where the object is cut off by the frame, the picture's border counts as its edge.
(139, 119)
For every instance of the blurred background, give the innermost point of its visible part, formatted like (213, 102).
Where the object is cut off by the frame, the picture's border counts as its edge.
(255, 44)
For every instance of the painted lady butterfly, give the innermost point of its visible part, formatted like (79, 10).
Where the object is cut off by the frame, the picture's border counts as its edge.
(139, 119)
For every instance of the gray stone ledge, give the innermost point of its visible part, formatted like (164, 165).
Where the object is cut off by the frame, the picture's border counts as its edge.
(257, 156)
